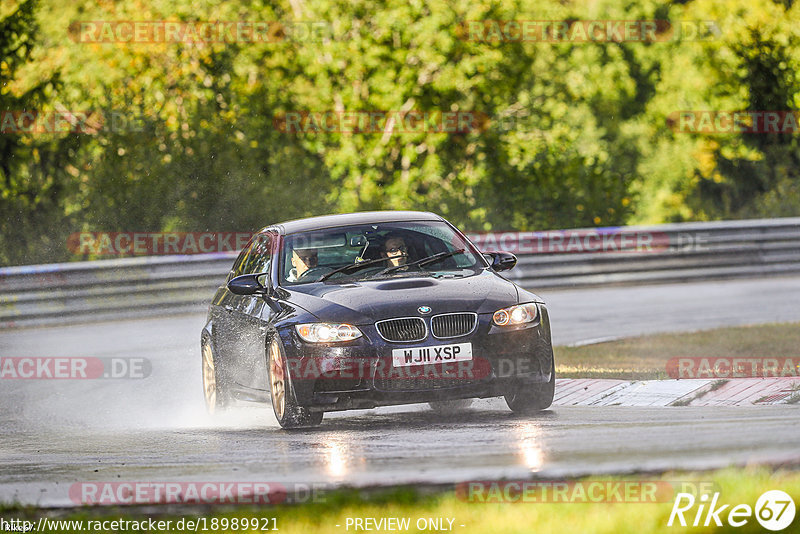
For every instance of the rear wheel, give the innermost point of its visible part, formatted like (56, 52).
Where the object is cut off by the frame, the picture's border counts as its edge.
(533, 397)
(447, 407)
(215, 390)
(284, 404)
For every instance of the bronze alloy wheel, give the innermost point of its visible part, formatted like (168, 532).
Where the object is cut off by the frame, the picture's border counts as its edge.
(215, 389)
(277, 380)
(209, 380)
(288, 413)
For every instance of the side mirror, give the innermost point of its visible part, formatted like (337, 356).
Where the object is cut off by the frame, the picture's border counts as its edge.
(501, 261)
(248, 284)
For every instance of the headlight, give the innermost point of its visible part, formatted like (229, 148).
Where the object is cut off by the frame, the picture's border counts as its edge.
(327, 332)
(519, 314)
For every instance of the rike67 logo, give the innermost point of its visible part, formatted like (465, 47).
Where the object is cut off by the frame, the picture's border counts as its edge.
(774, 511)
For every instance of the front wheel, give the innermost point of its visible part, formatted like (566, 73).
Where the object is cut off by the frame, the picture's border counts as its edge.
(284, 404)
(215, 390)
(534, 397)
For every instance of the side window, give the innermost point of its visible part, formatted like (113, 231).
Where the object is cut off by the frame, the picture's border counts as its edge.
(259, 256)
(242, 259)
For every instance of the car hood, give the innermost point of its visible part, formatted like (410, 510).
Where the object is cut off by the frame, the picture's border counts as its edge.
(367, 301)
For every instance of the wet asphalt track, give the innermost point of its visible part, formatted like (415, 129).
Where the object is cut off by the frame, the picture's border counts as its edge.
(56, 433)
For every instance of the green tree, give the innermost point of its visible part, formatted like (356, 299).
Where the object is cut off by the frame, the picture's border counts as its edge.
(34, 182)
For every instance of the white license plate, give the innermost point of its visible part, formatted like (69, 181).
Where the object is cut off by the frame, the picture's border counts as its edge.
(458, 352)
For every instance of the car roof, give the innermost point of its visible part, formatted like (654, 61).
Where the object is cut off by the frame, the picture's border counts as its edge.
(346, 219)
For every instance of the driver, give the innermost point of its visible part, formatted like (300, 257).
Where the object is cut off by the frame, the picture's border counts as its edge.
(396, 250)
(302, 260)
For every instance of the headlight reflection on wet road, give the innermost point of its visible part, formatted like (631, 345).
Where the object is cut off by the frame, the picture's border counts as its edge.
(529, 437)
(336, 457)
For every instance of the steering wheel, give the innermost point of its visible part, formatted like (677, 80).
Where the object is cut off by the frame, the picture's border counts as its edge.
(314, 272)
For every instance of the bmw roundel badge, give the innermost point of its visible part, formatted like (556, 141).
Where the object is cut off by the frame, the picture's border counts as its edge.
(424, 309)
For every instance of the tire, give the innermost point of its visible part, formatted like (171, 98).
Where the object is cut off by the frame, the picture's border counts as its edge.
(535, 397)
(215, 389)
(284, 403)
(449, 407)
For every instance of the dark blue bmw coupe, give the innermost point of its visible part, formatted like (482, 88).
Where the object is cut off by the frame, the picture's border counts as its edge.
(367, 309)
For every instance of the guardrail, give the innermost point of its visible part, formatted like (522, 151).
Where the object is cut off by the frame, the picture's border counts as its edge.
(109, 289)
(676, 253)
(149, 286)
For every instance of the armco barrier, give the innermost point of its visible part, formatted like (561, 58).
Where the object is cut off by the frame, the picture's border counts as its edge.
(109, 289)
(148, 286)
(682, 252)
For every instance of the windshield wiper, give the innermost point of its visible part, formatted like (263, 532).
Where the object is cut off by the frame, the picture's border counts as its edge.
(351, 267)
(424, 261)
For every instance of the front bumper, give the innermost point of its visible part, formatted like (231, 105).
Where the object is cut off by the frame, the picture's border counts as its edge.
(360, 374)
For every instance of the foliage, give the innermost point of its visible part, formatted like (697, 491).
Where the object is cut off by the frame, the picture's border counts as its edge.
(34, 184)
(571, 134)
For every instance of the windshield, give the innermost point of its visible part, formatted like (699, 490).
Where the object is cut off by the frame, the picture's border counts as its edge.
(376, 250)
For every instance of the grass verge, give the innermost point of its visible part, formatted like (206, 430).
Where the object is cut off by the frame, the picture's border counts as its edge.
(645, 357)
(735, 486)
